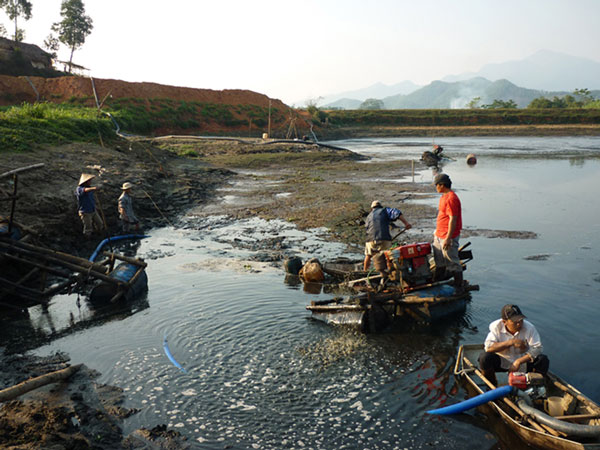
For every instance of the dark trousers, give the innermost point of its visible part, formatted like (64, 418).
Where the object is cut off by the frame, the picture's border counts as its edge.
(492, 362)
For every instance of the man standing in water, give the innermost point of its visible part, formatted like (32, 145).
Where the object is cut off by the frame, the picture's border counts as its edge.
(512, 342)
(128, 219)
(447, 232)
(378, 230)
(86, 205)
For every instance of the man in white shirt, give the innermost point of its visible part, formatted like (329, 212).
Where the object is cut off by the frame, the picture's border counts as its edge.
(512, 345)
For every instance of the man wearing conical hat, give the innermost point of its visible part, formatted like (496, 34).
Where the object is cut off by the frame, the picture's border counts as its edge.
(86, 205)
(128, 219)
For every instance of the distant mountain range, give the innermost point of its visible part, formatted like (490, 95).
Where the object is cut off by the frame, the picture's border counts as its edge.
(544, 73)
(347, 100)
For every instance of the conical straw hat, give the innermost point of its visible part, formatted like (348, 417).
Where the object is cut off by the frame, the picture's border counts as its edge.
(85, 177)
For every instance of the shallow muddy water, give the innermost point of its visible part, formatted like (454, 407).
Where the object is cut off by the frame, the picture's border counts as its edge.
(261, 374)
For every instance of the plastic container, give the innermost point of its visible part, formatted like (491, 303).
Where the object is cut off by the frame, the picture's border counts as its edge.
(554, 406)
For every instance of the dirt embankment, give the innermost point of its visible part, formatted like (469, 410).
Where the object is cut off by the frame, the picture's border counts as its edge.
(87, 91)
(15, 90)
(164, 185)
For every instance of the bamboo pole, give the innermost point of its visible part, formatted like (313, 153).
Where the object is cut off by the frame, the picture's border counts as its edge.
(13, 203)
(90, 270)
(21, 169)
(19, 282)
(51, 270)
(37, 382)
(17, 286)
(134, 261)
(117, 296)
(134, 278)
(54, 254)
(578, 417)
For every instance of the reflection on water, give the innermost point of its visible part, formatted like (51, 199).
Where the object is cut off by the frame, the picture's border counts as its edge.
(262, 374)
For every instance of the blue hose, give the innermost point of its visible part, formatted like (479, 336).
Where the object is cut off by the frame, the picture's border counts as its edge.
(480, 399)
(170, 356)
(112, 239)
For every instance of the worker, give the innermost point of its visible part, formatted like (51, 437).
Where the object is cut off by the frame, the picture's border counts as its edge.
(377, 226)
(512, 345)
(447, 231)
(128, 219)
(86, 205)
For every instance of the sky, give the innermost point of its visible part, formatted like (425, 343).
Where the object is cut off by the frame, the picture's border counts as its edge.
(302, 50)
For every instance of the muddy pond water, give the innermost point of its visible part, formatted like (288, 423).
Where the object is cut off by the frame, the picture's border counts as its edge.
(259, 373)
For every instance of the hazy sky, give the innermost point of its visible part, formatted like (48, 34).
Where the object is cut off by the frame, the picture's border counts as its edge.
(309, 48)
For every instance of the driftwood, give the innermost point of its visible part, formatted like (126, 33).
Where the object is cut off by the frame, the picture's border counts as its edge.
(34, 383)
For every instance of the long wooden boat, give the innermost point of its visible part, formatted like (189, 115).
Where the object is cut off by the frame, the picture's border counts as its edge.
(562, 418)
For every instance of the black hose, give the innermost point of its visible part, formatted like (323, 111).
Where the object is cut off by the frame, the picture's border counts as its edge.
(571, 429)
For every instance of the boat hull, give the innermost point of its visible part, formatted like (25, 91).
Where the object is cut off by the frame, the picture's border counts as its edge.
(532, 434)
(373, 312)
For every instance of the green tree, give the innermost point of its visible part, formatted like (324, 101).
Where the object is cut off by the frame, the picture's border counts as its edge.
(594, 104)
(540, 103)
(15, 9)
(372, 104)
(584, 95)
(51, 43)
(501, 104)
(2, 30)
(474, 104)
(74, 27)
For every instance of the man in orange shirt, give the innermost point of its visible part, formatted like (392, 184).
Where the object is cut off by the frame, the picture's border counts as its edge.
(447, 232)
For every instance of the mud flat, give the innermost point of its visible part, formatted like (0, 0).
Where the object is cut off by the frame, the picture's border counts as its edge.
(298, 182)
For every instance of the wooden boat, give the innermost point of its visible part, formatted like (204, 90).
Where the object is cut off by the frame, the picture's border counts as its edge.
(560, 418)
(406, 288)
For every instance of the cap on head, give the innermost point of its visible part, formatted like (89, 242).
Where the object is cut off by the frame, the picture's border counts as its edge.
(375, 203)
(126, 185)
(441, 178)
(512, 312)
(85, 177)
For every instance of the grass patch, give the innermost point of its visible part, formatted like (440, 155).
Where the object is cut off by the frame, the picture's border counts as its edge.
(26, 126)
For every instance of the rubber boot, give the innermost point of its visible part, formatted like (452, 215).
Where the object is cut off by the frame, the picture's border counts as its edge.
(459, 288)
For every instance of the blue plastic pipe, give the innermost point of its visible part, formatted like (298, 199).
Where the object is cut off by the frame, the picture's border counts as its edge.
(170, 356)
(112, 239)
(480, 399)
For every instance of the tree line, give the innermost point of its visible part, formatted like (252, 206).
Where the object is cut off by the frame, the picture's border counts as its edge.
(71, 31)
(580, 98)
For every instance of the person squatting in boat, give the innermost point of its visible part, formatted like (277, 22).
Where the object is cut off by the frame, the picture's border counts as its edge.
(378, 225)
(512, 344)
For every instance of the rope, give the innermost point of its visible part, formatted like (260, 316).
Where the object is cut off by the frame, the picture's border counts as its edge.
(157, 208)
